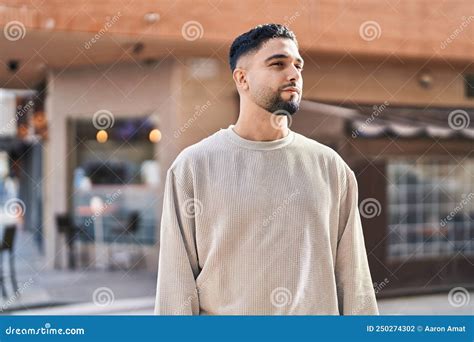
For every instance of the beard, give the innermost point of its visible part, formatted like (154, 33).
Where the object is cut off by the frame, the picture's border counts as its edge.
(272, 102)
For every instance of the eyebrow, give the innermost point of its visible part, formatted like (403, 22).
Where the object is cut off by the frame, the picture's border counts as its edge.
(281, 55)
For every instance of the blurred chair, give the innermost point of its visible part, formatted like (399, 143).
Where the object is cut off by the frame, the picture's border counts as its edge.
(127, 229)
(8, 240)
(65, 225)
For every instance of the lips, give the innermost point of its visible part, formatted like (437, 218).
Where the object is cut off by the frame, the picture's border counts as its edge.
(292, 89)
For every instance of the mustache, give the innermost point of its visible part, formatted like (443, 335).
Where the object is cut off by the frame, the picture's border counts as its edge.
(289, 85)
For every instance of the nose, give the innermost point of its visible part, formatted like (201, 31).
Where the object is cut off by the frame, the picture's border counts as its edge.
(294, 74)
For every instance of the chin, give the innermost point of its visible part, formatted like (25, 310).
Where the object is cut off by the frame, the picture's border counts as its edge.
(290, 107)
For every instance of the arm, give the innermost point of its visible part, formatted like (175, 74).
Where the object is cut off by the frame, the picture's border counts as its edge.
(178, 266)
(356, 295)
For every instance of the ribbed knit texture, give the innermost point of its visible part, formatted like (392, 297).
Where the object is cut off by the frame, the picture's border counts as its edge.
(261, 228)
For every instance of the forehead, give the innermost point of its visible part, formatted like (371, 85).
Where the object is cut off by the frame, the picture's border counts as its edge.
(278, 46)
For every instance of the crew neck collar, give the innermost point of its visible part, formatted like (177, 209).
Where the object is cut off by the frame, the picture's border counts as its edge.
(232, 135)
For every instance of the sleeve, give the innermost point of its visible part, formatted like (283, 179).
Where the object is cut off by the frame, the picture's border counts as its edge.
(178, 264)
(356, 295)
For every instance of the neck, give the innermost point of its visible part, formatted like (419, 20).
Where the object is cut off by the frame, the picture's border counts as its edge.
(255, 123)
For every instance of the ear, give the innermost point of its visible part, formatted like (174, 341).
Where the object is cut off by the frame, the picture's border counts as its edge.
(240, 78)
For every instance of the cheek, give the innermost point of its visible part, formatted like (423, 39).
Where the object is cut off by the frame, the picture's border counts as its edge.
(265, 81)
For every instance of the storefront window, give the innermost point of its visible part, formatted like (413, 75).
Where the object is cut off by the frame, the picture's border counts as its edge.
(118, 169)
(431, 208)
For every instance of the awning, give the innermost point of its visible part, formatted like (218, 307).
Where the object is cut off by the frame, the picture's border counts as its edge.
(384, 119)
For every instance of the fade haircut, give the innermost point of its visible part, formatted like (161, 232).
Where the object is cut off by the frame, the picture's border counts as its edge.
(253, 40)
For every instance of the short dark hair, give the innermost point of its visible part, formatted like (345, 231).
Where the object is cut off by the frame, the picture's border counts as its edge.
(253, 40)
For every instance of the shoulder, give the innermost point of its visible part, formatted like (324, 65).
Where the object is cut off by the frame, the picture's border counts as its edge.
(190, 158)
(199, 150)
(322, 153)
(328, 159)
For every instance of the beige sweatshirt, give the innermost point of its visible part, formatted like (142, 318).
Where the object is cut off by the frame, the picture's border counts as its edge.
(261, 228)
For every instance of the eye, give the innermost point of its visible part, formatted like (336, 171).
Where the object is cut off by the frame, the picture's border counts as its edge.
(299, 67)
(277, 64)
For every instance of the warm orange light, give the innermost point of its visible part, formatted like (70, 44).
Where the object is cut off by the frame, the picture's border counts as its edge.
(102, 136)
(155, 135)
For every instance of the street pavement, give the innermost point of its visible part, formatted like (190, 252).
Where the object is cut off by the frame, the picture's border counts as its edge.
(131, 292)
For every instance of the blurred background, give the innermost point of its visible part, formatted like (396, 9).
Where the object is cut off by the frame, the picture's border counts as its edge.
(98, 98)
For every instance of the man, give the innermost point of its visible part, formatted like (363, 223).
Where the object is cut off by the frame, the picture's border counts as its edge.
(258, 219)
